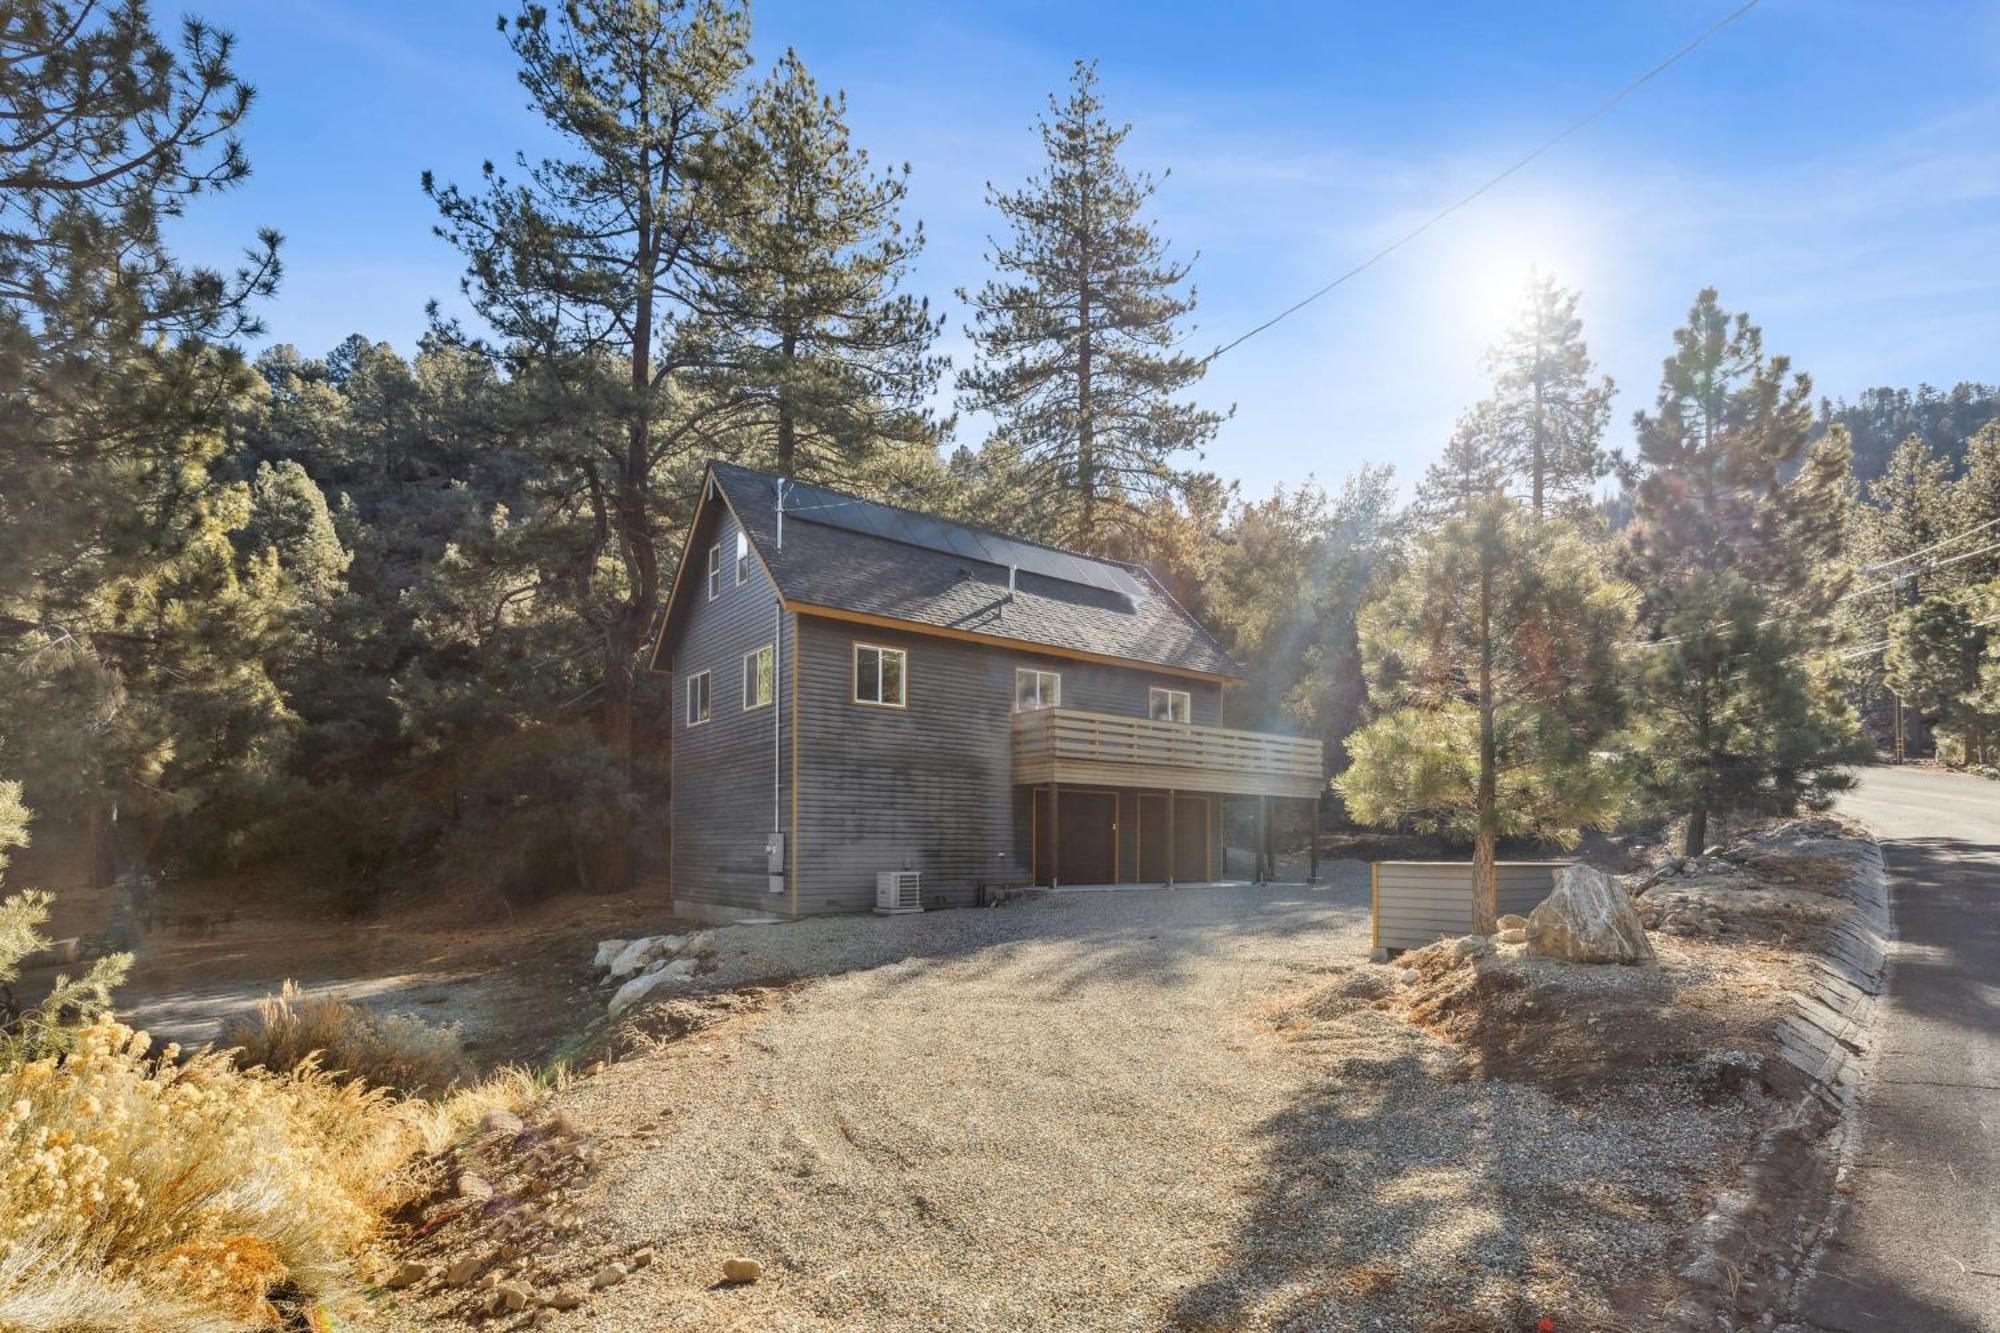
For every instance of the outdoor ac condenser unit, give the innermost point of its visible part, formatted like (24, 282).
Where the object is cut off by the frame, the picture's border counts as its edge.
(898, 891)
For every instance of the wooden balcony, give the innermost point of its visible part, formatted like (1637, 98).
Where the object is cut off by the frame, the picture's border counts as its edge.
(1102, 749)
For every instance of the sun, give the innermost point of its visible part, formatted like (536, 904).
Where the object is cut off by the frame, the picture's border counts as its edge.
(1489, 270)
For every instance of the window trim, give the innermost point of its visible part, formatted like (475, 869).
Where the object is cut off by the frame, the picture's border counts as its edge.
(688, 719)
(761, 650)
(1154, 691)
(1021, 671)
(854, 676)
(715, 571)
(742, 558)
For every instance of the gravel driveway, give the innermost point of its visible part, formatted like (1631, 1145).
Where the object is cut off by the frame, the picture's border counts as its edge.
(1041, 1117)
(1085, 1112)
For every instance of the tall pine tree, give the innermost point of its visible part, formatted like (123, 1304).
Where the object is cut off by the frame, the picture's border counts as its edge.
(839, 356)
(593, 269)
(1078, 336)
(1549, 406)
(129, 634)
(1729, 543)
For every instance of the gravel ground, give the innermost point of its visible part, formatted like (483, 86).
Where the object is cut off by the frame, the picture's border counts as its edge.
(1141, 1110)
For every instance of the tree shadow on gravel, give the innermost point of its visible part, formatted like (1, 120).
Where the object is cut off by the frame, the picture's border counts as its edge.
(1363, 1181)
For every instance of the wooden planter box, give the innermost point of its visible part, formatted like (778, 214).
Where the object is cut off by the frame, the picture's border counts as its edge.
(1421, 902)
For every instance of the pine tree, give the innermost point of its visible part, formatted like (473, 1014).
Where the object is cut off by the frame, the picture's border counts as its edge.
(1909, 508)
(125, 686)
(1975, 507)
(591, 271)
(839, 356)
(1077, 337)
(1493, 666)
(1549, 407)
(1732, 558)
(1473, 467)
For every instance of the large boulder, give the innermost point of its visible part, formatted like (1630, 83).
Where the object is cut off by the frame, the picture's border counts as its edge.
(607, 953)
(1588, 919)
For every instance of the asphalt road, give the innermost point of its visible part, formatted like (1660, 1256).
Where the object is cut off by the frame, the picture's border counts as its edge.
(1919, 1250)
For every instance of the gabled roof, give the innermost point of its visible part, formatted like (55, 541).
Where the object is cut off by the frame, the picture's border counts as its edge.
(945, 577)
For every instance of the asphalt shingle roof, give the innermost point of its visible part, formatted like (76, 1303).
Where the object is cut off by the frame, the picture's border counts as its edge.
(836, 567)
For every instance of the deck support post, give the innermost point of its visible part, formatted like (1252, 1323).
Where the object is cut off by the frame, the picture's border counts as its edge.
(1312, 874)
(1055, 832)
(1263, 835)
(1172, 845)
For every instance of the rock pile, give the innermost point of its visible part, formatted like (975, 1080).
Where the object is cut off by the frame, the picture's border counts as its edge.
(641, 966)
(1681, 914)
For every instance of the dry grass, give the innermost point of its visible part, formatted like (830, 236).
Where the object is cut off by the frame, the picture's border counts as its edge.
(142, 1192)
(396, 1051)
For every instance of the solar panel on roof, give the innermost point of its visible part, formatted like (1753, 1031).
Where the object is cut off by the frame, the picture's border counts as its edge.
(815, 504)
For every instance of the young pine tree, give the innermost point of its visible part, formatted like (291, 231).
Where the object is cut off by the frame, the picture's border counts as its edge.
(1730, 551)
(1077, 337)
(839, 359)
(1493, 666)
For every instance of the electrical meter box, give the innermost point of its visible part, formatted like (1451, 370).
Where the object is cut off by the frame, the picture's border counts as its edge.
(774, 853)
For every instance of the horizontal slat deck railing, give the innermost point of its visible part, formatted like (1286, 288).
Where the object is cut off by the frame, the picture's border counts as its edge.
(1068, 745)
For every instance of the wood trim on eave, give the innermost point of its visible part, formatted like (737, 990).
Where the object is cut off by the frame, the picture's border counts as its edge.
(1019, 645)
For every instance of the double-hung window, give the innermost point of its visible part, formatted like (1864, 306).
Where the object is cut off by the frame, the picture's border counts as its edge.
(759, 678)
(881, 676)
(742, 559)
(1168, 705)
(697, 698)
(1036, 689)
(714, 571)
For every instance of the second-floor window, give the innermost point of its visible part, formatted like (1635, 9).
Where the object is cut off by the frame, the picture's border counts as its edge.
(881, 675)
(714, 571)
(1168, 705)
(742, 559)
(759, 678)
(697, 698)
(1036, 689)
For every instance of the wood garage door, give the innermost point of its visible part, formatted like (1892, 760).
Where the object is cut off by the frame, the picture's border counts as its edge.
(1190, 833)
(1086, 843)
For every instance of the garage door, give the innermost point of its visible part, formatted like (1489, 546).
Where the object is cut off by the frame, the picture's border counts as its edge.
(1190, 839)
(1086, 842)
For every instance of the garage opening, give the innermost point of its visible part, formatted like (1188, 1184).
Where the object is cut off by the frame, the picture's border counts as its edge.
(1187, 831)
(1084, 843)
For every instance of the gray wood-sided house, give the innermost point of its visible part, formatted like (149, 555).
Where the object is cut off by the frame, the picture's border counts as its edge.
(860, 688)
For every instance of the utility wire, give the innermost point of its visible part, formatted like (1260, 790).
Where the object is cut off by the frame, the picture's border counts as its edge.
(1922, 550)
(1593, 114)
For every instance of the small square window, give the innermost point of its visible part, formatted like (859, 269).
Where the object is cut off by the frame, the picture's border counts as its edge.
(714, 571)
(1036, 689)
(742, 559)
(697, 698)
(759, 677)
(881, 676)
(1168, 705)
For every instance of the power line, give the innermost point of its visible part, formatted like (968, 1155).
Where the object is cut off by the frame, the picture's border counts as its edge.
(1593, 114)
(1928, 568)
(1922, 550)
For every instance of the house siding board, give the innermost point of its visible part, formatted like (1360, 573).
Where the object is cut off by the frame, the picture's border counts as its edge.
(929, 786)
(722, 769)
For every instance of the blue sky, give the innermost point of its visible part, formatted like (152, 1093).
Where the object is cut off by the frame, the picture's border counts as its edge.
(1833, 166)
